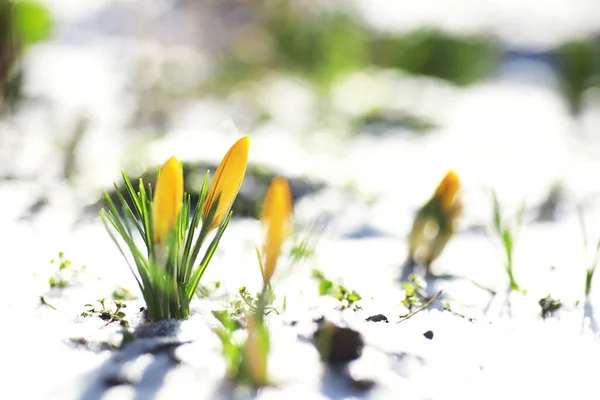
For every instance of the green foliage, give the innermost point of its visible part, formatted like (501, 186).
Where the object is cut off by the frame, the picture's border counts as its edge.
(121, 293)
(414, 292)
(167, 276)
(109, 315)
(232, 349)
(580, 64)
(381, 119)
(251, 304)
(430, 52)
(347, 298)
(302, 250)
(205, 291)
(64, 273)
(508, 234)
(246, 359)
(45, 302)
(589, 273)
(34, 22)
(319, 47)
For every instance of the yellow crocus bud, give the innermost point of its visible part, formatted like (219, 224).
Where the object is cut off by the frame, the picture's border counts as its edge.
(227, 182)
(434, 223)
(447, 190)
(168, 198)
(276, 215)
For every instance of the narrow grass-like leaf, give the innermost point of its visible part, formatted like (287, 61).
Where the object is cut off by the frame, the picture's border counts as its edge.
(507, 240)
(105, 218)
(195, 279)
(132, 194)
(187, 259)
(206, 224)
(497, 218)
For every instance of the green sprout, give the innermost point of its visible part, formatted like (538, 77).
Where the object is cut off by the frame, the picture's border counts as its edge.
(121, 293)
(347, 298)
(107, 314)
(548, 306)
(251, 304)
(589, 272)
(205, 291)
(64, 273)
(414, 292)
(303, 247)
(246, 359)
(172, 235)
(45, 302)
(302, 250)
(508, 235)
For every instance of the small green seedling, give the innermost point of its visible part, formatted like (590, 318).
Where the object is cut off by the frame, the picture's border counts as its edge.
(414, 292)
(65, 272)
(107, 314)
(121, 293)
(508, 235)
(302, 250)
(347, 298)
(549, 306)
(250, 304)
(205, 291)
(246, 359)
(589, 272)
(45, 302)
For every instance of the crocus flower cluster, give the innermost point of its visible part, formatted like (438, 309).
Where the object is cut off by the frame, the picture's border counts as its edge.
(173, 233)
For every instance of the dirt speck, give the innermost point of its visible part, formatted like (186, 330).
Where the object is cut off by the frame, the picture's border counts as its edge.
(338, 344)
(378, 318)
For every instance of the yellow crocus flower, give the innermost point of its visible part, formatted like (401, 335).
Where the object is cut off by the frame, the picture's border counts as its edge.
(447, 190)
(276, 215)
(167, 201)
(227, 182)
(435, 221)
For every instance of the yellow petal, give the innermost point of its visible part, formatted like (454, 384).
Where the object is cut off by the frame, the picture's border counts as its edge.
(227, 182)
(168, 197)
(276, 215)
(447, 190)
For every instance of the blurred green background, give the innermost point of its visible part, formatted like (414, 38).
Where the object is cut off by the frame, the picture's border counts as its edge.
(318, 46)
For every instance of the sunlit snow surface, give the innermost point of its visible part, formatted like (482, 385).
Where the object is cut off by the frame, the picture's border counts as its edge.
(502, 134)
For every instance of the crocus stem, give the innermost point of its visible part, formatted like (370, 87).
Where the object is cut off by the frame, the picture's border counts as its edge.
(511, 277)
(589, 275)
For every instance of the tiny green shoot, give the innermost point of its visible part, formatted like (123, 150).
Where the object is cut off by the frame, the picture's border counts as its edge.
(64, 272)
(107, 314)
(414, 292)
(508, 234)
(589, 272)
(121, 293)
(347, 298)
(45, 302)
(548, 306)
